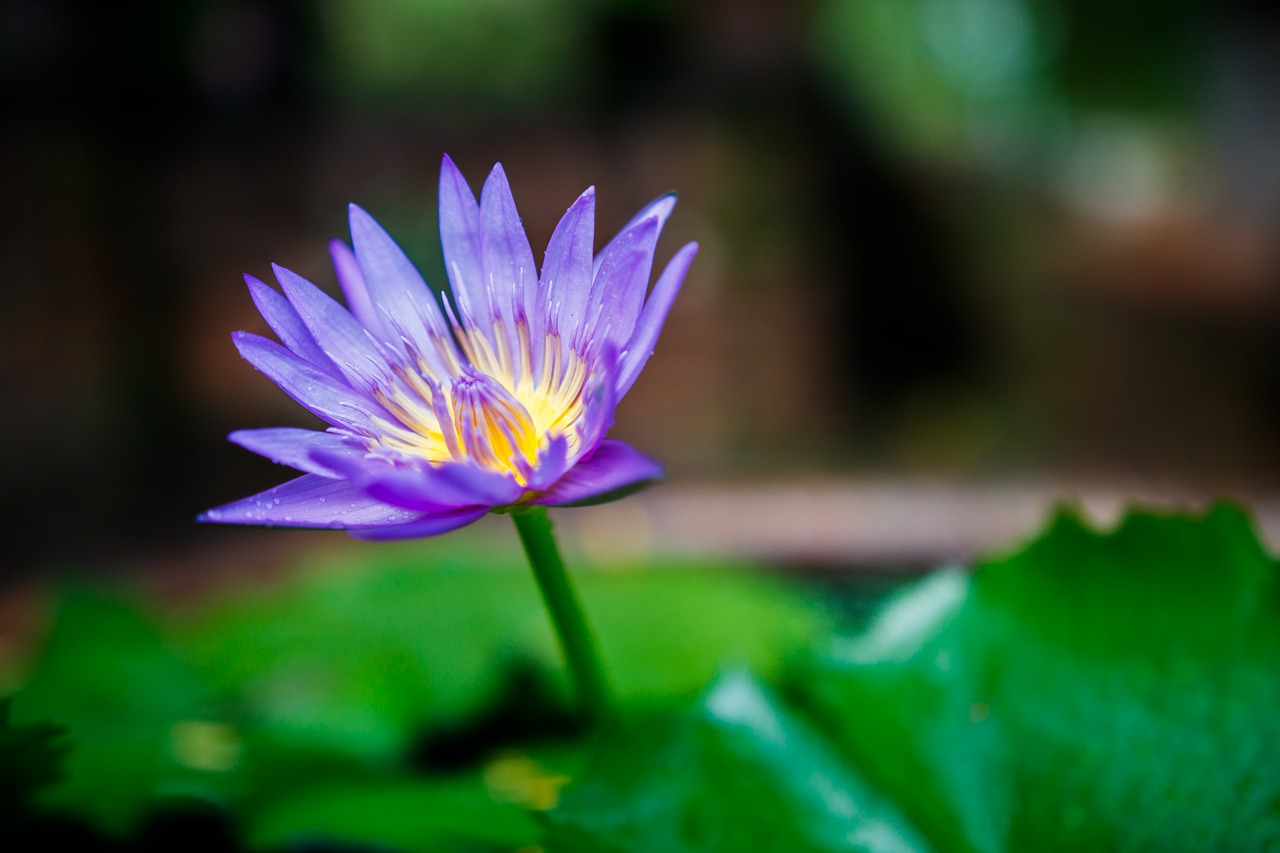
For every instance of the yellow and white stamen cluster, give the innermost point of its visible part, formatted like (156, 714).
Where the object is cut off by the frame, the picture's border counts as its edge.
(495, 406)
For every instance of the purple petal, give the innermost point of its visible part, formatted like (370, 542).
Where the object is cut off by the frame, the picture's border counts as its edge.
(311, 501)
(617, 293)
(293, 447)
(351, 280)
(659, 208)
(460, 239)
(637, 351)
(288, 326)
(347, 343)
(508, 260)
(310, 386)
(566, 270)
(602, 401)
(552, 462)
(614, 471)
(398, 292)
(424, 487)
(431, 525)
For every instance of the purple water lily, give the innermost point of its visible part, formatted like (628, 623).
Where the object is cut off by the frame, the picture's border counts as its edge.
(440, 413)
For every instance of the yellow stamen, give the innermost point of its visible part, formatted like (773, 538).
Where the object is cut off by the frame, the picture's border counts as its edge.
(497, 413)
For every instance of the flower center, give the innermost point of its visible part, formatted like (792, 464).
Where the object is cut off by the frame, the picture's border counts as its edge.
(494, 408)
(491, 425)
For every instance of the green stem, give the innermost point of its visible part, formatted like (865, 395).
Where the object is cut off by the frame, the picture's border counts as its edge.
(539, 541)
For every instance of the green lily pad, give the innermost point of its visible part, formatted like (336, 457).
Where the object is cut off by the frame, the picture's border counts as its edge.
(1093, 691)
(738, 772)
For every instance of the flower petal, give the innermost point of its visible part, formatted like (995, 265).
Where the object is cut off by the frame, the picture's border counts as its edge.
(566, 269)
(351, 280)
(637, 351)
(460, 239)
(288, 326)
(423, 487)
(602, 403)
(310, 501)
(508, 261)
(660, 209)
(398, 292)
(293, 447)
(615, 470)
(347, 343)
(429, 525)
(552, 463)
(617, 293)
(311, 387)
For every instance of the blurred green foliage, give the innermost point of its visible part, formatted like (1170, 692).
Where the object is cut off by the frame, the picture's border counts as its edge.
(454, 52)
(1007, 82)
(30, 760)
(1090, 691)
(283, 699)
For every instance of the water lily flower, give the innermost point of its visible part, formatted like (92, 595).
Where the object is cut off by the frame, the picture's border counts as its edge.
(440, 412)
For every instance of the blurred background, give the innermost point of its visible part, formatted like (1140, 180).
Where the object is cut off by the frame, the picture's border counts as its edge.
(961, 260)
(959, 256)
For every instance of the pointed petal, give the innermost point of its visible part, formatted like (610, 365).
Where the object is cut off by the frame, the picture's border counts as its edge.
(288, 326)
(423, 487)
(614, 471)
(430, 525)
(566, 270)
(654, 314)
(347, 343)
(508, 261)
(660, 209)
(293, 447)
(398, 292)
(460, 239)
(617, 293)
(310, 501)
(354, 290)
(311, 387)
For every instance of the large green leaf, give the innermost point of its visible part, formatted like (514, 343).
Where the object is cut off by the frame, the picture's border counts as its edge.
(740, 772)
(1093, 691)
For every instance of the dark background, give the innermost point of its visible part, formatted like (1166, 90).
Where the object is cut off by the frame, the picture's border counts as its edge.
(967, 241)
